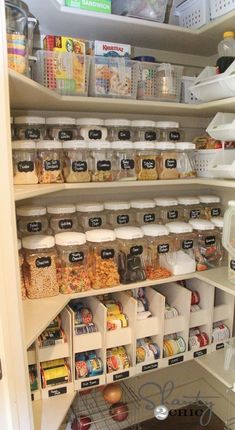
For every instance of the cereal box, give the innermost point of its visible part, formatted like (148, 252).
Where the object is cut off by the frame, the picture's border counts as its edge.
(64, 44)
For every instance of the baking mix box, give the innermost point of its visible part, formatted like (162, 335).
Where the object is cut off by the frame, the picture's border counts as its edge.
(103, 6)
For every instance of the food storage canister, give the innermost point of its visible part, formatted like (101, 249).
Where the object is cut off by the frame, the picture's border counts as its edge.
(77, 164)
(102, 161)
(167, 160)
(131, 254)
(91, 129)
(159, 244)
(208, 251)
(146, 161)
(102, 258)
(184, 238)
(144, 130)
(125, 161)
(91, 215)
(169, 209)
(30, 127)
(24, 162)
(62, 218)
(186, 159)
(119, 129)
(61, 128)
(49, 162)
(21, 262)
(212, 206)
(144, 212)
(72, 266)
(219, 224)
(118, 213)
(191, 207)
(40, 266)
(31, 220)
(169, 131)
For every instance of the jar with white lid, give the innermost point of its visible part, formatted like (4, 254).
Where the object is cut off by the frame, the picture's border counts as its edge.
(24, 162)
(62, 218)
(77, 165)
(61, 128)
(169, 131)
(21, 263)
(102, 258)
(208, 251)
(30, 127)
(167, 160)
(90, 129)
(212, 206)
(118, 213)
(146, 161)
(91, 215)
(169, 209)
(49, 162)
(144, 130)
(102, 161)
(144, 212)
(40, 266)
(131, 254)
(186, 159)
(125, 162)
(119, 129)
(159, 245)
(72, 266)
(191, 207)
(184, 238)
(31, 220)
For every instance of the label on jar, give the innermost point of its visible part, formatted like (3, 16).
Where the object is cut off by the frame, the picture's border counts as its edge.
(148, 163)
(42, 262)
(51, 165)
(106, 254)
(127, 164)
(174, 135)
(103, 165)
(25, 166)
(76, 257)
(232, 264)
(136, 250)
(79, 166)
(123, 219)
(65, 135)
(65, 224)
(187, 244)
(195, 213)
(215, 212)
(210, 240)
(163, 248)
(170, 163)
(95, 134)
(95, 222)
(32, 133)
(172, 214)
(124, 135)
(150, 135)
(34, 227)
(149, 218)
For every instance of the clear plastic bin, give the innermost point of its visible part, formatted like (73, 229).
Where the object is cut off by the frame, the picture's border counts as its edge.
(144, 130)
(168, 85)
(193, 13)
(24, 162)
(153, 10)
(147, 81)
(102, 161)
(76, 167)
(119, 129)
(144, 212)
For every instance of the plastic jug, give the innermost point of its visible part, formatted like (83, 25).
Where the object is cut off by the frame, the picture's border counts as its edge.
(228, 238)
(226, 51)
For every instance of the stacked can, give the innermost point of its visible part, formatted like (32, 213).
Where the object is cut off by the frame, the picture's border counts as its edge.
(220, 332)
(195, 300)
(117, 359)
(83, 319)
(173, 345)
(87, 364)
(197, 338)
(147, 350)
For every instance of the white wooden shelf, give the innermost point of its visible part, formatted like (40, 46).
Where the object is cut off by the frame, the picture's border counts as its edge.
(214, 364)
(218, 278)
(49, 413)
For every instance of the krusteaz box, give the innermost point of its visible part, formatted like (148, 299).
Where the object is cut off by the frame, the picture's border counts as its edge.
(94, 6)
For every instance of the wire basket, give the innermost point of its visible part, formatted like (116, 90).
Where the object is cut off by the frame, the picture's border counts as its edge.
(186, 94)
(221, 7)
(193, 13)
(205, 159)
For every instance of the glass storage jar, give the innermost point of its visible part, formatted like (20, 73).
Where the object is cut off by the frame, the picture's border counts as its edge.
(21, 262)
(91, 215)
(102, 161)
(76, 166)
(40, 266)
(125, 164)
(90, 129)
(49, 162)
(62, 218)
(118, 213)
(102, 258)
(212, 206)
(191, 207)
(146, 161)
(29, 127)
(144, 130)
(61, 128)
(167, 160)
(185, 161)
(31, 220)
(144, 212)
(72, 268)
(119, 129)
(24, 162)
(159, 244)
(182, 260)
(169, 131)
(169, 210)
(131, 254)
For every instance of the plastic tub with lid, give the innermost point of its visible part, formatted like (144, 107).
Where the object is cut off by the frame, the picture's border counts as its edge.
(49, 162)
(118, 213)
(144, 130)
(191, 207)
(186, 159)
(182, 261)
(169, 131)
(144, 212)
(77, 164)
(119, 129)
(61, 128)
(228, 238)
(24, 162)
(102, 161)
(21, 262)
(125, 160)
(212, 206)
(167, 160)
(92, 129)
(169, 209)
(31, 220)
(91, 215)
(62, 218)
(146, 161)
(30, 127)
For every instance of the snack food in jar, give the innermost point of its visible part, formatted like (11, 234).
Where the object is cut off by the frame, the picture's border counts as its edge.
(90, 129)
(125, 161)
(91, 215)
(31, 220)
(21, 262)
(167, 160)
(49, 162)
(30, 127)
(62, 218)
(191, 207)
(169, 131)
(169, 209)
(144, 130)
(119, 129)
(212, 206)
(40, 266)
(185, 161)
(146, 161)
(118, 213)
(24, 162)
(102, 161)
(144, 212)
(76, 166)
(61, 128)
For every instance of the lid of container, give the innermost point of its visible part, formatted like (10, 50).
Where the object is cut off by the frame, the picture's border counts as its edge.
(179, 227)
(201, 224)
(122, 144)
(129, 233)
(116, 122)
(231, 203)
(115, 206)
(61, 209)
(142, 204)
(188, 200)
(29, 120)
(19, 245)
(185, 145)
(49, 144)
(31, 210)
(143, 123)
(101, 235)
(209, 199)
(38, 241)
(90, 207)
(165, 145)
(60, 120)
(167, 124)
(75, 144)
(90, 121)
(70, 238)
(99, 144)
(23, 144)
(145, 58)
(229, 34)
(218, 221)
(144, 145)
(166, 201)
(155, 230)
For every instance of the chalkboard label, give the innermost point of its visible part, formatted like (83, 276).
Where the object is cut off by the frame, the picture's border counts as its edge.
(65, 224)
(187, 244)
(57, 391)
(170, 163)
(210, 240)
(124, 135)
(121, 376)
(127, 164)
(106, 254)
(65, 135)
(32, 133)
(95, 222)
(76, 257)
(149, 367)
(136, 250)
(95, 134)
(149, 218)
(163, 248)
(176, 360)
(34, 227)
(91, 383)
(79, 166)
(215, 212)
(25, 166)
(148, 164)
(103, 165)
(200, 353)
(43, 262)
(51, 165)
(219, 346)
(172, 214)
(195, 213)
(174, 135)
(150, 135)
(123, 219)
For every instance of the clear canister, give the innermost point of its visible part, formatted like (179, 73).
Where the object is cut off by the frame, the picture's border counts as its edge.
(76, 166)
(212, 206)
(169, 209)
(31, 220)
(102, 161)
(184, 237)
(62, 218)
(186, 160)
(91, 215)
(30, 127)
(169, 131)
(146, 161)
(21, 262)
(125, 162)
(118, 213)
(61, 128)
(144, 130)
(119, 129)
(219, 224)
(144, 212)
(191, 207)
(49, 162)
(167, 160)
(90, 129)
(24, 162)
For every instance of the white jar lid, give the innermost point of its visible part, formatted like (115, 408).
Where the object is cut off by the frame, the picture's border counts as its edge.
(142, 204)
(90, 121)
(209, 199)
(188, 200)
(179, 227)
(29, 120)
(122, 144)
(129, 233)
(231, 203)
(90, 207)
(69, 238)
(116, 122)
(61, 209)
(182, 146)
(49, 144)
(143, 123)
(155, 230)
(167, 201)
(167, 124)
(101, 235)
(115, 206)
(23, 144)
(201, 224)
(218, 221)
(75, 144)
(38, 242)
(99, 144)
(31, 210)
(144, 145)
(19, 245)
(60, 120)
(165, 145)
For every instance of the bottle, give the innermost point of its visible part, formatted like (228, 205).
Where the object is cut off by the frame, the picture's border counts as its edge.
(226, 51)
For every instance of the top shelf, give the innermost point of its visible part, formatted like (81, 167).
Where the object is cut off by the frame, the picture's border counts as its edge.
(57, 19)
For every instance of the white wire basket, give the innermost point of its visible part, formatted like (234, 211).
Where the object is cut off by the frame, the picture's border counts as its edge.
(193, 13)
(186, 94)
(206, 159)
(221, 7)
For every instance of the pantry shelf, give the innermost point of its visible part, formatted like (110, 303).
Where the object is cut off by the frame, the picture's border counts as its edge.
(49, 413)
(28, 191)
(218, 278)
(214, 364)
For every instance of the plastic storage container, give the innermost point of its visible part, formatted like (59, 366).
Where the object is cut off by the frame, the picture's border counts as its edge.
(191, 206)
(24, 162)
(211, 206)
(125, 161)
(169, 131)
(91, 215)
(119, 129)
(144, 130)
(193, 13)
(144, 212)
(102, 161)
(21, 262)
(77, 164)
(186, 94)
(152, 10)
(29, 127)
(118, 213)
(147, 81)
(169, 210)
(168, 83)
(61, 128)
(146, 161)
(49, 162)
(62, 218)
(185, 161)
(92, 129)
(31, 220)
(220, 7)
(167, 160)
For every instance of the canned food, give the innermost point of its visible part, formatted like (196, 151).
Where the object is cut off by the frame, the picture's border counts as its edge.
(54, 372)
(195, 298)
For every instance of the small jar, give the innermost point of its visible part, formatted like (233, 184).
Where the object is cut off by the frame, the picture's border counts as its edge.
(61, 128)
(146, 161)
(208, 251)
(212, 206)
(118, 213)
(169, 131)
(49, 162)
(144, 212)
(72, 268)
(119, 129)
(159, 244)
(91, 129)
(169, 210)
(21, 262)
(91, 215)
(76, 162)
(144, 131)
(24, 162)
(184, 238)
(124, 161)
(40, 266)
(30, 127)
(132, 254)
(191, 207)
(102, 259)
(62, 218)
(102, 161)
(167, 160)
(31, 220)
(185, 161)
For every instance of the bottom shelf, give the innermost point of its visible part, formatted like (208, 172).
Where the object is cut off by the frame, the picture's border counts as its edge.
(49, 413)
(214, 364)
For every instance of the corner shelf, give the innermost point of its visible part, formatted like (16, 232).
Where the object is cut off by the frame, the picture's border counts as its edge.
(214, 364)
(49, 413)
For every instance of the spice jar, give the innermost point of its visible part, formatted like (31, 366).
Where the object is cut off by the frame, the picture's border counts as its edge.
(208, 251)
(92, 129)
(212, 206)
(185, 161)
(144, 212)
(118, 213)
(169, 209)
(191, 207)
(159, 244)
(102, 258)
(49, 162)
(62, 218)
(72, 269)
(61, 128)
(76, 162)
(40, 266)
(169, 131)
(144, 131)
(146, 161)
(91, 215)
(102, 161)
(31, 220)
(24, 162)
(131, 254)
(119, 129)
(30, 127)
(167, 160)
(21, 262)
(124, 161)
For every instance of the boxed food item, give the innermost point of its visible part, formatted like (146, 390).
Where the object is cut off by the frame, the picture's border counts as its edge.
(109, 49)
(64, 44)
(103, 6)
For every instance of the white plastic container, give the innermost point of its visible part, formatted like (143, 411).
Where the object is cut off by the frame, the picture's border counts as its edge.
(221, 7)
(186, 94)
(222, 127)
(62, 218)
(91, 215)
(193, 13)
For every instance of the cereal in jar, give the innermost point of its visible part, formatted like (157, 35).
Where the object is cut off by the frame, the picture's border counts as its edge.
(91, 215)
(212, 206)
(118, 213)
(119, 129)
(144, 212)
(29, 127)
(102, 161)
(49, 162)
(62, 218)
(125, 162)
(24, 162)
(146, 161)
(76, 166)
(61, 128)
(90, 129)
(144, 130)
(31, 220)
(167, 160)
